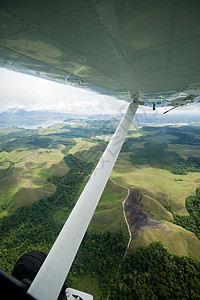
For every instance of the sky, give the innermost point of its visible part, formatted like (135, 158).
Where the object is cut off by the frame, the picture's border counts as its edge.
(33, 93)
(27, 92)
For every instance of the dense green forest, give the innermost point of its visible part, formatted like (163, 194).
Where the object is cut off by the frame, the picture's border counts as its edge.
(191, 222)
(154, 273)
(99, 256)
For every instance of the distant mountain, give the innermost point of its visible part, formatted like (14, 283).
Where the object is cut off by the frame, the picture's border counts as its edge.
(23, 118)
(34, 119)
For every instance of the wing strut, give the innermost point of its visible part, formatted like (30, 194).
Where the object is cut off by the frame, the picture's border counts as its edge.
(51, 276)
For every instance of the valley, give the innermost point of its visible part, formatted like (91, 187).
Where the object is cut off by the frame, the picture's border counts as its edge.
(43, 171)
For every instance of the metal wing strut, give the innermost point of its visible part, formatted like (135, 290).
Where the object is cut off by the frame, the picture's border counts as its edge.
(50, 278)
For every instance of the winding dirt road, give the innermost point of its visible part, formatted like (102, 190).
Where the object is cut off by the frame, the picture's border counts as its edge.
(123, 207)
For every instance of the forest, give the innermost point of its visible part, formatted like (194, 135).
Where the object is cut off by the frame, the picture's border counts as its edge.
(191, 222)
(154, 273)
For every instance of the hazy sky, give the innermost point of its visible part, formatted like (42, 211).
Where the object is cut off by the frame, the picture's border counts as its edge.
(32, 93)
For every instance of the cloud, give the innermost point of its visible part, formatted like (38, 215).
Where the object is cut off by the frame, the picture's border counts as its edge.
(32, 93)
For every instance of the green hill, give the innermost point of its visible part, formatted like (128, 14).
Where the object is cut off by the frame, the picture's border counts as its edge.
(39, 177)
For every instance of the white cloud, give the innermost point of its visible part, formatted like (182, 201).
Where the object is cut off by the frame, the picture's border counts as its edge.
(32, 93)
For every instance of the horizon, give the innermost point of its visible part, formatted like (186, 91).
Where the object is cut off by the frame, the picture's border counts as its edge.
(21, 118)
(22, 91)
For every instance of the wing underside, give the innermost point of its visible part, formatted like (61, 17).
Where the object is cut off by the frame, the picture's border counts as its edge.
(113, 47)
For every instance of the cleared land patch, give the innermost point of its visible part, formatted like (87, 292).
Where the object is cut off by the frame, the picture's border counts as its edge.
(146, 229)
